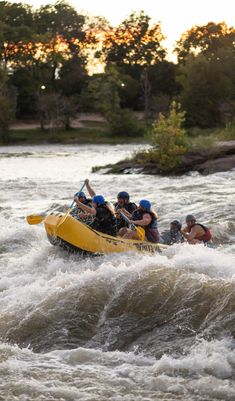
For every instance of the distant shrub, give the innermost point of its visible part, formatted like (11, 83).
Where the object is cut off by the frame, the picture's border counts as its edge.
(168, 139)
(230, 130)
(202, 139)
(123, 123)
(202, 143)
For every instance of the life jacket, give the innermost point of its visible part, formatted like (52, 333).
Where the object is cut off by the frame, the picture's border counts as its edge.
(151, 230)
(88, 202)
(129, 207)
(104, 221)
(76, 210)
(205, 237)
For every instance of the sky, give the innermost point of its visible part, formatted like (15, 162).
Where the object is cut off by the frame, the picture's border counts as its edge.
(176, 16)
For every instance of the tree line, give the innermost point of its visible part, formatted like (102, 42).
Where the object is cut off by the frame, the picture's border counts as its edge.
(49, 58)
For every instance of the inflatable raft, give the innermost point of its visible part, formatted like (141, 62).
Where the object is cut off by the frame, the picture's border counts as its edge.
(73, 235)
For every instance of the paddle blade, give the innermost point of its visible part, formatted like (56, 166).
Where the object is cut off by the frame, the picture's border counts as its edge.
(35, 219)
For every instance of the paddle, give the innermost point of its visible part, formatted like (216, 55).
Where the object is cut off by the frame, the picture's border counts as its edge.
(71, 207)
(38, 218)
(35, 218)
(140, 230)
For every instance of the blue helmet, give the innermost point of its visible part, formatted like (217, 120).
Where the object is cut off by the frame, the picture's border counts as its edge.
(80, 195)
(123, 195)
(98, 199)
(145, 204)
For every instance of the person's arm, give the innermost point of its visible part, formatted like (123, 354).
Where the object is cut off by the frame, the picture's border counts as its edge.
(88, 209)
(124, 211)
(144, 221)
(89, 189)
(191, 235)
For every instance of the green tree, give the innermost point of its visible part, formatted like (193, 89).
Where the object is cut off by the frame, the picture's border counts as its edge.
(7, 107)
(206, 39)
(208, 89)
(16, 27)
(136, 46)
(56, 111)
(134, 41)
(162, 77)
(103, 91)
(207, 74)
(62, 23)
(42, 47)
(168, 138)
(109, 91)
(7, 113)
(145, 84)
(72, 76)
(27, 91)
(61, 19)
(124, 123)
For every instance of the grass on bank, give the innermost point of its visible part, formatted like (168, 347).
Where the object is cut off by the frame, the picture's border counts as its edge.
(98, 132)
(205, 139)
(92, 133)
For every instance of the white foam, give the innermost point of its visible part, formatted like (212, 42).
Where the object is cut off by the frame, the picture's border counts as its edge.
(200, 259)
(206, 371)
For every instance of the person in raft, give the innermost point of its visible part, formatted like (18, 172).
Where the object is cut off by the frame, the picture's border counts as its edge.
(196, 233)
(77, 212)
(103, 213)
(144, 216)
(90, 190)
(124, 205)
(172, 236)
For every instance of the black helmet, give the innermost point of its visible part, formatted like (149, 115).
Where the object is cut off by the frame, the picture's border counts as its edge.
(177, 224)
(190, 217)
(123, 195)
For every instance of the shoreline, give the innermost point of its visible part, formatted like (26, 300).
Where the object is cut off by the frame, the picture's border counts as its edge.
(94, 130)
(73, 136)
(86, 128)
(219, 159)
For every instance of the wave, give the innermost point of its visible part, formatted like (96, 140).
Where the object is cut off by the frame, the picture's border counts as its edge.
(206, 372)
(124, 302)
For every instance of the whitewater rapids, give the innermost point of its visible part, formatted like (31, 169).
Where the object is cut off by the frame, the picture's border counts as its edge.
(119, 327)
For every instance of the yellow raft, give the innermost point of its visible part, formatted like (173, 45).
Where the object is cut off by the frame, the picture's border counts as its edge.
(72, 234)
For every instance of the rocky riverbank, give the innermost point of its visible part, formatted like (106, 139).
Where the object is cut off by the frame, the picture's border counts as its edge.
(219, 158)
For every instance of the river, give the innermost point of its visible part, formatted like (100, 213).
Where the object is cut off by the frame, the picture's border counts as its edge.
(118, 327)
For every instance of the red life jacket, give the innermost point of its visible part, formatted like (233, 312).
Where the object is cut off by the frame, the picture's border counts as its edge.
(205, 237)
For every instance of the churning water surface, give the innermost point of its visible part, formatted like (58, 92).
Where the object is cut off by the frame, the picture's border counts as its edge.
(118, 327)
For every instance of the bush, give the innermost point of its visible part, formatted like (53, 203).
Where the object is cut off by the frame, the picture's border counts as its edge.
(124, 123)
(168, 138)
